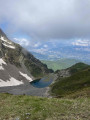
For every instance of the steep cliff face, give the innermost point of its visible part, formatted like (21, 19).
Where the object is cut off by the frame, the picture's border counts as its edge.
(17, 65)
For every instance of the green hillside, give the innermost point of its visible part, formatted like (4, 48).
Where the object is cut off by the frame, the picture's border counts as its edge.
(35, 108)
(77, 67)
(74, 86)
(60, 64)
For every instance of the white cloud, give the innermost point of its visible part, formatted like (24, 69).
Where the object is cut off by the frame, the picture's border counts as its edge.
(22, 41)
(37, 44)
(45, 46)
(48, 18)
(41, 51)
(81, 42)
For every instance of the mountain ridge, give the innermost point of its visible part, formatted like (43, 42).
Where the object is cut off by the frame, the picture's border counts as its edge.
(20, 65)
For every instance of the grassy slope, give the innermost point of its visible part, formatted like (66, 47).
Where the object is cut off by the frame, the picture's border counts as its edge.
(60, 64)
(74, 86)
(36, 108)
(78, 66)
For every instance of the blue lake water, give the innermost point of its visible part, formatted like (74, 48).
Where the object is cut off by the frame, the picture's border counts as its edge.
(41, 83)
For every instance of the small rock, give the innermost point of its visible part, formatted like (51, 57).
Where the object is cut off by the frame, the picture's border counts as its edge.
(28, 114)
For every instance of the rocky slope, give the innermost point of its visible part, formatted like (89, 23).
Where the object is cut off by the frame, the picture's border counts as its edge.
(18, 66)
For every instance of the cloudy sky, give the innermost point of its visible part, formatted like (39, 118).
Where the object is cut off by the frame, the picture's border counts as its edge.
(35, 22)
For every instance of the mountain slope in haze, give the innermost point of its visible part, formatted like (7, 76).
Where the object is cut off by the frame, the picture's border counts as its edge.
(60, 64)
(17, 66)
(77, 84)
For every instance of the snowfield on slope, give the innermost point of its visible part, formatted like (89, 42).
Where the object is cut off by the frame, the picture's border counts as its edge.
(6, 42)
(2, 38)
(11, 82)
(1, 63)
(26, 76)
(9, 46)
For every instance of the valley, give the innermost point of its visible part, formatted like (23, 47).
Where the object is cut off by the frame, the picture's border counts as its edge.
(60, 63)
(30, 89)
(44, 59)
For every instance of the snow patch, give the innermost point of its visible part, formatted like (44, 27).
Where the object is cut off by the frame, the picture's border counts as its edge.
(1, 63)
(11, 82)
(3, 39)
(26, 76)
(7, 42)
(10, 46)
(1, 68)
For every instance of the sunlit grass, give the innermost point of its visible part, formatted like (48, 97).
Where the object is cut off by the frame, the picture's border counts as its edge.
(37, 108)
